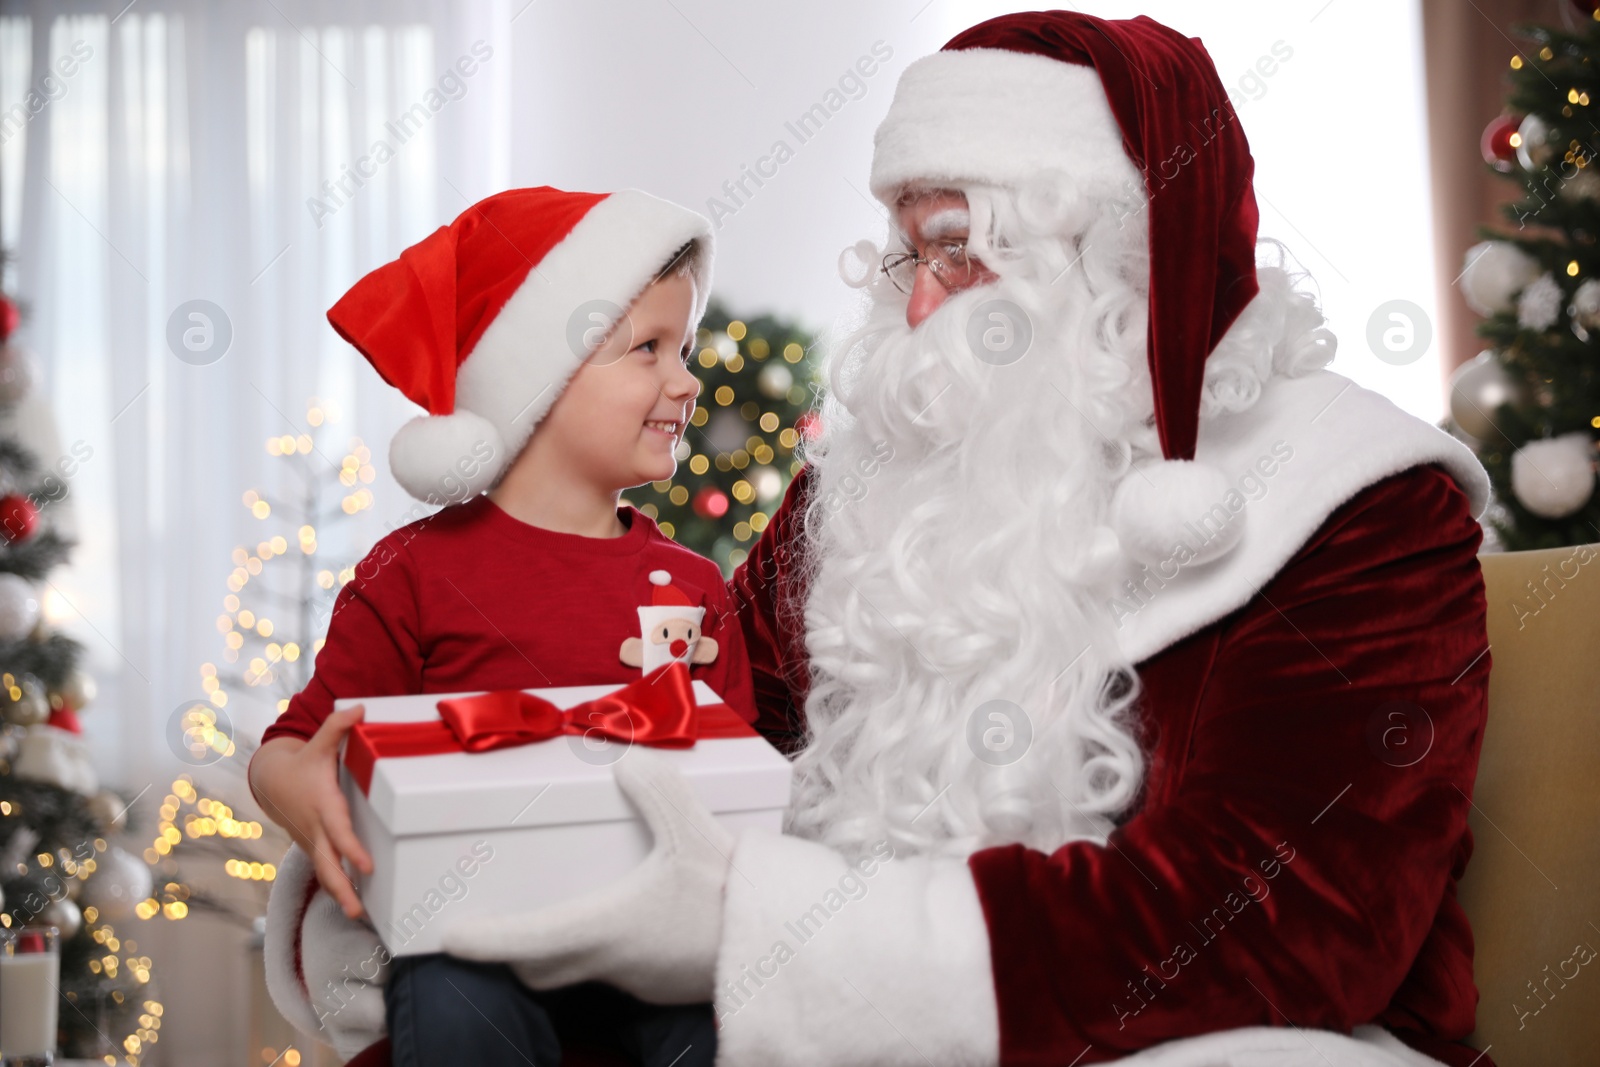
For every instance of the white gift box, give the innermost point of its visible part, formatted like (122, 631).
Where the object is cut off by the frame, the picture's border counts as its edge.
(492, 833)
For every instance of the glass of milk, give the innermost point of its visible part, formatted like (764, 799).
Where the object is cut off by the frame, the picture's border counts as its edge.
(30, 972)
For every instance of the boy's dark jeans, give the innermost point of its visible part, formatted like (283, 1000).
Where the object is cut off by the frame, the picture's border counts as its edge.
(443, 1010)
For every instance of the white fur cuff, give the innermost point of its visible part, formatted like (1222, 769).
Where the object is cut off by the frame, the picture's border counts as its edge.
(286, 908)
(884, 962)
(311, 942)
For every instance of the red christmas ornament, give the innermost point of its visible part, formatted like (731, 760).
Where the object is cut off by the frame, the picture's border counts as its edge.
(710, 503)
(809, 425)
(64, 718)
(1588, 7)
(1498, 151)
(18, 518)
(10, 318)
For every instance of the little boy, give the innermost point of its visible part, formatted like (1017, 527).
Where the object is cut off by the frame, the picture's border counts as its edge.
(511, 317)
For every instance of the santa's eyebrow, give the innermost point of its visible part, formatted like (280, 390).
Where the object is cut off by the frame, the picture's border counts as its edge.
(944, 222)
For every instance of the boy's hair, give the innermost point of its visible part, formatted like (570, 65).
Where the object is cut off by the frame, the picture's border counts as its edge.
(685, 262)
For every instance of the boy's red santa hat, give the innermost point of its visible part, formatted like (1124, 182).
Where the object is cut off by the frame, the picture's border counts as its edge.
(1109, 104)
(483, 321)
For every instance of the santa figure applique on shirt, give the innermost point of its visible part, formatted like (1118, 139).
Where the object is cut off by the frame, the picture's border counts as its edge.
(669, 628)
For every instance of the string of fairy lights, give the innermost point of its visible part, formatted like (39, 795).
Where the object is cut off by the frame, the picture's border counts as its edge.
(254, 655)
(206, 818)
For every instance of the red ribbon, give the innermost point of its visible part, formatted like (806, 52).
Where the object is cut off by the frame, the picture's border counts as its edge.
(658, 709)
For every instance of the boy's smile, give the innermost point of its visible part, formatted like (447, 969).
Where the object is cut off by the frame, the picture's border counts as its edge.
(668, 428)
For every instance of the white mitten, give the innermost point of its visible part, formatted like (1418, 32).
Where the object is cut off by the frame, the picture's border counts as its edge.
(325, 970)
(654, 933)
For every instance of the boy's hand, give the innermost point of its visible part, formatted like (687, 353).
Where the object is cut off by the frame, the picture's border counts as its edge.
(297, 783)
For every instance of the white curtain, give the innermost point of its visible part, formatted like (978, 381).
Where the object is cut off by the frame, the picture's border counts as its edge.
(186, 151)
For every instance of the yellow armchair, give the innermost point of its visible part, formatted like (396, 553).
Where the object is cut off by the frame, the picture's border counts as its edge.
(1532, 889)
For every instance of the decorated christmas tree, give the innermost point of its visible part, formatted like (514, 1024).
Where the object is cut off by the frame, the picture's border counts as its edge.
(737, 458)
(1531, 400)
(57, 865)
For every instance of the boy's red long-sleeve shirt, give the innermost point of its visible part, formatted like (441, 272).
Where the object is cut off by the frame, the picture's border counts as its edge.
(472, 599)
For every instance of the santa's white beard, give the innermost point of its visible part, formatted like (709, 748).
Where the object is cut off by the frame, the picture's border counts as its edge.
(953, 542)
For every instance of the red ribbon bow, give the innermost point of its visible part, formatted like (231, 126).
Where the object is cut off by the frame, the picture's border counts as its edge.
(658, 709)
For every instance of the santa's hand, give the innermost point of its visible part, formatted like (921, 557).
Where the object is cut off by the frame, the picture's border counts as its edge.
(655, 933)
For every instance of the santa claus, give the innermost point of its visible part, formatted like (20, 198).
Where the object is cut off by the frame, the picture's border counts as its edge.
(1134, 665)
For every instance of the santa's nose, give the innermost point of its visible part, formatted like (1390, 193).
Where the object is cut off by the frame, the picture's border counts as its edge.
(926, 296)
(678, 647)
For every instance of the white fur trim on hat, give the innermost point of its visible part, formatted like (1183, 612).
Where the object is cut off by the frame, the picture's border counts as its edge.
(997, 117)
(526, 355)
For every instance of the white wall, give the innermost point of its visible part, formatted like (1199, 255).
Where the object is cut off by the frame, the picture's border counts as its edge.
(677, 96)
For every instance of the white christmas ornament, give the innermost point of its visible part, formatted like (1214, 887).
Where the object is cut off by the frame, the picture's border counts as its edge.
(1533, 148)
(1539, 307)
(1493, 273)
(58, 757)
(775, 380)
(18, 372)
(64, 915)
(768, 483)
(1554, 477)
(109, 810)
(78, 688)
(120, 881)
(1176, 510)
(19, 607)
(1584, 185)
(1585, 307)
(1477, 388)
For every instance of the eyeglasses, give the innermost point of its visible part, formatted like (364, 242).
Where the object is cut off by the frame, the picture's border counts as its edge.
(947, 259)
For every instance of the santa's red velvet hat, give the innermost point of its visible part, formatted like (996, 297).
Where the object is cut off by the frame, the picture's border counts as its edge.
(1116, 107)
(483, 321)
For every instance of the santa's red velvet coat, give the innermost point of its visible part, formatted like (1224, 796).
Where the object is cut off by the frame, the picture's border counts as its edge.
(1295, 852)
